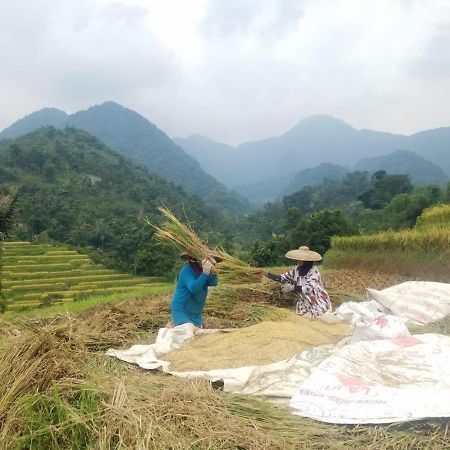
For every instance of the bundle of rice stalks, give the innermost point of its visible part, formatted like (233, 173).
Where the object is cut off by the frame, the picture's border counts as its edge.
(266, 292)
(180, 235)
(222, 300)
(235, 271)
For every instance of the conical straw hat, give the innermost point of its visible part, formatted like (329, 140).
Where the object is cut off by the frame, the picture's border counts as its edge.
(303, 254)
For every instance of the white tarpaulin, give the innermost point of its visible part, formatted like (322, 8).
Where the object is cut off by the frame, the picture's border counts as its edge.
(280, 379)
(379, 382)
(370, 381)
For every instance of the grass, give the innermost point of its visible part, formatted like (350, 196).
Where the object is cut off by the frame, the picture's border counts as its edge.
(431, 239)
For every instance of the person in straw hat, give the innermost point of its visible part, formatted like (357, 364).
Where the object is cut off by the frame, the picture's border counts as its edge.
(192, 289)
(305, 282)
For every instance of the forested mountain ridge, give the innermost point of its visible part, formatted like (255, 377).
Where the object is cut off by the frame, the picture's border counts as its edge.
(75, 189)
(135, 137)
(420, 170)
(213, 156)
(33, 121)
(314, 140)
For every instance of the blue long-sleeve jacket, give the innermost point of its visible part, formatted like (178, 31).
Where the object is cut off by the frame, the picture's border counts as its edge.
(190, 296)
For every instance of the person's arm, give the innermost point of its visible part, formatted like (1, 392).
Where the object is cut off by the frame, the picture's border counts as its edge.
(287, 277)
(193, 283)
(213, 280)
(312, 281)
(273, 276)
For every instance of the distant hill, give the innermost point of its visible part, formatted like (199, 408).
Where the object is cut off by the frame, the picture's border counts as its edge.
(313, 141)
(314, 176)
(138, 139)
(33, 121)
(263, 192)
(75, 189)
(135, 137)
(405, 162)
(433, 145)
(211, 155)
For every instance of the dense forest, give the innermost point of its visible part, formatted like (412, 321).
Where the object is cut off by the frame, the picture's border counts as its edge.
(74, 189)
(358, 203)
(136, 138)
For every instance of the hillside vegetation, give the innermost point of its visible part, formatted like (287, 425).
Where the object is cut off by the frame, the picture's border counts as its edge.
(423, 251)
(74, 189)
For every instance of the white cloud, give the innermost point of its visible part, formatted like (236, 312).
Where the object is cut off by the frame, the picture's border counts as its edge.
(234, 70)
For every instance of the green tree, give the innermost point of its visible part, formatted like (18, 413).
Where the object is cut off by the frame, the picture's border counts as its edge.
(384, 189)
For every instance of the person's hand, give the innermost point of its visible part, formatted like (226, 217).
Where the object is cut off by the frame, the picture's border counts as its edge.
(287, 288)
(207, 266)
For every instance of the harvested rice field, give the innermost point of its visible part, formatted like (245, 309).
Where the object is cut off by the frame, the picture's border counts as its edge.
(59, 391)
(353, 282)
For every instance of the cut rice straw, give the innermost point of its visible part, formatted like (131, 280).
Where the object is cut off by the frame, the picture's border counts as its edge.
(236, 271)
(181, 235)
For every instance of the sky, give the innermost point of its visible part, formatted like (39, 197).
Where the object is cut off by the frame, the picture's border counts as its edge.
(232, 70)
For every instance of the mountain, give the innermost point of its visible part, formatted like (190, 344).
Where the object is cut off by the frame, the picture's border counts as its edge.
(314, 176)
(405, 162)
(264, 191)
(267, 191)
(75, 189)
(212, 156)
(33, 121)
(138, 139)
(433, 145)
(313, 141)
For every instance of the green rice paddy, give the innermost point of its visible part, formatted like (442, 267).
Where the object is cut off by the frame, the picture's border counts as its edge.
(36, 275)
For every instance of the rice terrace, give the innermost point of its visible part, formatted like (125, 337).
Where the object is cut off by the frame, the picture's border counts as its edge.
(225, 225)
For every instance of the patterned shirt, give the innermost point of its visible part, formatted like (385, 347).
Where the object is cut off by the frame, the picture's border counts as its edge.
(313, 300)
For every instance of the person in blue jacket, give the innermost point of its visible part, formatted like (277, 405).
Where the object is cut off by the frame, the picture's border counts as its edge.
(192, 289)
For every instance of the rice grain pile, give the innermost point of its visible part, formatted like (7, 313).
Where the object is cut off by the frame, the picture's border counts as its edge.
(259, 344)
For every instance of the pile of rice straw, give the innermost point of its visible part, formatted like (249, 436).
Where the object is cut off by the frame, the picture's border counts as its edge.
(260, 344)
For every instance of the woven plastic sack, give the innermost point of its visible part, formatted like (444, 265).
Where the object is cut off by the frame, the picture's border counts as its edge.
(383, 327)
(421, 301)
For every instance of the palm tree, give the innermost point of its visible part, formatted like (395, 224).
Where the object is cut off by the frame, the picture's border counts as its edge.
(7, 208)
